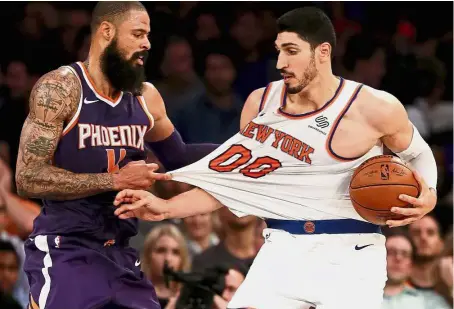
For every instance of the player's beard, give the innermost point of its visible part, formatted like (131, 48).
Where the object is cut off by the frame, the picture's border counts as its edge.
(123, 74)
(309, 75)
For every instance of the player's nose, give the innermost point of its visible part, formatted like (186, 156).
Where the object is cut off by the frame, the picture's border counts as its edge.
(281, 62)
(146, 44)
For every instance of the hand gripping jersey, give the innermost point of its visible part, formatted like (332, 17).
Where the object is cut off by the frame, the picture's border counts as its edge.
(281, 165)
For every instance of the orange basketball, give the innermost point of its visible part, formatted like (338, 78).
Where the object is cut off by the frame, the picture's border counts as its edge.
(376, 185)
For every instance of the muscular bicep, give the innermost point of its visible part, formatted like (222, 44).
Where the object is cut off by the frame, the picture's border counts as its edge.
(251, 107)
(390, 118)
(53, 100)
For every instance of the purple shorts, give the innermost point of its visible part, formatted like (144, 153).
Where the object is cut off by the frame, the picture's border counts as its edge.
(74, 273)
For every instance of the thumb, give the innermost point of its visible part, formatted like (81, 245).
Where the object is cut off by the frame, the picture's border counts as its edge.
(152, 167)
(137, 162)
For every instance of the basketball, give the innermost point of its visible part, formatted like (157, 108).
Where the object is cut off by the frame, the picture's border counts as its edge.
(376, 185)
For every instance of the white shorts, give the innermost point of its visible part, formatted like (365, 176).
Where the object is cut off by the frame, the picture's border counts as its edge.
(324, 271)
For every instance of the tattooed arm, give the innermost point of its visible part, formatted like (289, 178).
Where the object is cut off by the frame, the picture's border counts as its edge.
(53, 101)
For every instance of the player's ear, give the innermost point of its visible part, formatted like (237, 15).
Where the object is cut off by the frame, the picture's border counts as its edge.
(107, 30)
(324, 52)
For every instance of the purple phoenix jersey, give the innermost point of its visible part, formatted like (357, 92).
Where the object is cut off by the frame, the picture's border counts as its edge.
(78, 256)
(104, 135)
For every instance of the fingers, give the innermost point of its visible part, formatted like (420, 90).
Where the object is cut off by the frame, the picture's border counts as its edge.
(152, 167)
(395, 223)
(407, 211)
(127, 195)
(411, 200)
(159, 176)
(127, 215)
(136, 162)
(130, 207)
(418, 177)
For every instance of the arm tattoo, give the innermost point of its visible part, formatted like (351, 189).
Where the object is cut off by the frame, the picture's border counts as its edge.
(54, 99)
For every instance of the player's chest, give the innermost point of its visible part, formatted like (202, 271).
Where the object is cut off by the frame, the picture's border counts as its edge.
(310, 139)
(111, 127)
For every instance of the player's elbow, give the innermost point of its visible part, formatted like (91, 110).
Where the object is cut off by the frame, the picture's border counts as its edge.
(25, 182)
(23, 186)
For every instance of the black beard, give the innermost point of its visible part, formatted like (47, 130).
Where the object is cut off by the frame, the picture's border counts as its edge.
(309, 75)
(123, 74)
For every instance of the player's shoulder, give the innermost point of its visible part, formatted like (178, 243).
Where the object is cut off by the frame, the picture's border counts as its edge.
(150, 92)
(63, 81)
(62, 76)
(153, 100)
(377, 103)
(254, 99)
(61, 88)
(379, 108)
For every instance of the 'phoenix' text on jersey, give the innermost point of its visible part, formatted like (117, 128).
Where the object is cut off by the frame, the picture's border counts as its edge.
(97, 135)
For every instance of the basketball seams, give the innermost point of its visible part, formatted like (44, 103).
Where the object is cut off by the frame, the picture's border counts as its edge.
(381, 210)
(385, 184)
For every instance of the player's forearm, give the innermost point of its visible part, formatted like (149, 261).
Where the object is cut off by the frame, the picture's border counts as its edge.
(40, 180)
(421, 157)
(174, 153)
(191, 203)
(426, 166)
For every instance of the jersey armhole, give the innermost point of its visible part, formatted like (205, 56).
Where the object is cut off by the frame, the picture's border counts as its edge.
(143, 103)
(264, 97)
(75, 118)
(336, 123)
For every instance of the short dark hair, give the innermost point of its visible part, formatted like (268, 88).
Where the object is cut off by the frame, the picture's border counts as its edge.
(311, 24)
(112, 11)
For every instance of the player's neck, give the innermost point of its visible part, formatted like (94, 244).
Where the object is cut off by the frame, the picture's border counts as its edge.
(423, 273)
(241, 242)
(101, 83)
(317, 93)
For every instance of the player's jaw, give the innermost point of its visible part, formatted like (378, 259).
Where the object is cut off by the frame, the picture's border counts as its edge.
(124, 73)
(296, 83)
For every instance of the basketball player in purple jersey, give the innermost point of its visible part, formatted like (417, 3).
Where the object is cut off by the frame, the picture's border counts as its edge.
(83, 141)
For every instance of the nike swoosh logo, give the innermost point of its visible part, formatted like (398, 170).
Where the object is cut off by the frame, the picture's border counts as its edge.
(361, 247)
(89, 102)
(137, 263)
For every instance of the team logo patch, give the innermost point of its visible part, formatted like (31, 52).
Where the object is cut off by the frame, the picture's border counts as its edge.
(322, 122)
(309, 227)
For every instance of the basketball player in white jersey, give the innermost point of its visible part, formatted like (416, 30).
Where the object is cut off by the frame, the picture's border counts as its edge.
(301, 139)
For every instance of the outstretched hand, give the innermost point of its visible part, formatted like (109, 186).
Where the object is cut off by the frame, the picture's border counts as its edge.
(422, 205)
(140, 204)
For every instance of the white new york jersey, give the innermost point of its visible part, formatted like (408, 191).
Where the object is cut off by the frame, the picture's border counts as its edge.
(282, 166)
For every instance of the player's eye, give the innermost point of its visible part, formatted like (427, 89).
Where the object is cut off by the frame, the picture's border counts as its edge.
(292, 52)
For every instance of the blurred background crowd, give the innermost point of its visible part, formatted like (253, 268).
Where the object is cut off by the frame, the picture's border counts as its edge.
(206, 57)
